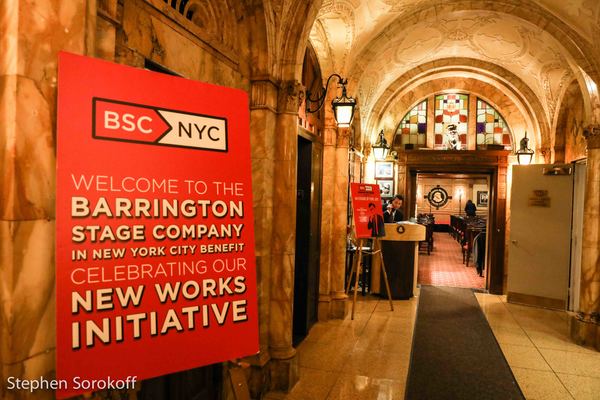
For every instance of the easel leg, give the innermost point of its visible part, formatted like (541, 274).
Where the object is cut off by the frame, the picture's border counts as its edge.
(360, 246)
(385, 277)
(354, 263)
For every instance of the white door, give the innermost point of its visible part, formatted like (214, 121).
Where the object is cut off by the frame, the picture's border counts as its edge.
(540, 236)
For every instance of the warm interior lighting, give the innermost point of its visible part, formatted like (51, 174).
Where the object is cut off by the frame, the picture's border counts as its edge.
(381, 148)
(524, 154)
(343, 107)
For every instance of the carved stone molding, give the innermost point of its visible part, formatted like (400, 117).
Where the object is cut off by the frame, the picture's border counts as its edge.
(343, 137)
(263, 94)
(546, 152)
(366, 151)
(291, 96)
(592, 136)
(593, 318)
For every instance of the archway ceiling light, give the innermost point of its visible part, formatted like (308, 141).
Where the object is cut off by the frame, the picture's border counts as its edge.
(376, 45)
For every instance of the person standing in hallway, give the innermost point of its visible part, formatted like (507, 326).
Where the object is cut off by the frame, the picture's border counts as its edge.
(395, 214)
(470, 209)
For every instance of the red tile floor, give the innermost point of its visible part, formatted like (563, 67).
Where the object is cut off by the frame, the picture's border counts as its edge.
(444, 266)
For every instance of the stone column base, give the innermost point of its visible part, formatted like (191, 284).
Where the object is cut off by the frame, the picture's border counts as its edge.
(585, 333)
(284, 374)
(332, 307)
(259, 379)
(338, 308)
(323, 308)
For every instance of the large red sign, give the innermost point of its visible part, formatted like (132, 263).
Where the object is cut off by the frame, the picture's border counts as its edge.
(367, 210)
(155, 266)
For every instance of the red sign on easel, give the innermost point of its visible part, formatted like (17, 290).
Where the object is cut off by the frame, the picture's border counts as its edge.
(155, 264)
(367, 210)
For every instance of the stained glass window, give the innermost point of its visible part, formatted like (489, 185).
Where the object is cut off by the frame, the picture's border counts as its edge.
(491, 127)
(413, 127)
(451, 109)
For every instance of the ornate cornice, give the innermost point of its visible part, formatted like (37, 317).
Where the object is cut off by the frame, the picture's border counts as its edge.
(263, 94)
(592, 136)
(291, 96)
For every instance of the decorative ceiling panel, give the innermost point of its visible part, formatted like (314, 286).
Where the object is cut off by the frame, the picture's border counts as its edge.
(369, 41)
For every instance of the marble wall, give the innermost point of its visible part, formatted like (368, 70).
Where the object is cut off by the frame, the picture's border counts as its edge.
(569, 142)
(217, 50)
(585, 326)
(334, 214)
(32, 34)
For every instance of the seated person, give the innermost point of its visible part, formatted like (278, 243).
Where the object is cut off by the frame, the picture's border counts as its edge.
(395, 214)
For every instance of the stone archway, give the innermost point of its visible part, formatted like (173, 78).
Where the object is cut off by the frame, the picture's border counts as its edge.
(493, 82)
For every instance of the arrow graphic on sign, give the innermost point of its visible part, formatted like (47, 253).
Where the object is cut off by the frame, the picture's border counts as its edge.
(129, 122)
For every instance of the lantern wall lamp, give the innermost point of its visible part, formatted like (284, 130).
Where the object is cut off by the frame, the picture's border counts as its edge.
(381, 147)
(524, 154)
(343, 107)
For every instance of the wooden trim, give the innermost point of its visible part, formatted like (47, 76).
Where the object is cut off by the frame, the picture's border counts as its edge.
(482, 162)
(538, 301)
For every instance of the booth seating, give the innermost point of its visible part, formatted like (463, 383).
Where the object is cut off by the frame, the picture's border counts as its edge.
(479, 252)
(470, 234)
(464, 229)
(428, 220)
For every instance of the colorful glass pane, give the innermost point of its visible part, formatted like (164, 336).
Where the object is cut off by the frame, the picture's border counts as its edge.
(491, 127)
(451, 109)
(413, 127)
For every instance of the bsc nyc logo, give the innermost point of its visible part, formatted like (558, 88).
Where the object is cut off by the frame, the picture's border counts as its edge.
(129, 122)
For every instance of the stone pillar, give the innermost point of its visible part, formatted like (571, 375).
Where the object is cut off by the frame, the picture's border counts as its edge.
(284, 370)
(31, 35)
(339, 227)
(263, 118)
(334, 215)
(327, 205)
(585, 326)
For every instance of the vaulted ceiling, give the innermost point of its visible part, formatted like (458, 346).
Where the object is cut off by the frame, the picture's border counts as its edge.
(534, 48)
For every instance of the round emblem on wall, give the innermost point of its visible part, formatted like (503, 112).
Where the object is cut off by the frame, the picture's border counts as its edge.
(438, 197)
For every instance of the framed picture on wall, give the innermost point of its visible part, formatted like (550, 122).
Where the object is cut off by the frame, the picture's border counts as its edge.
(482, 198)
(384, 169)
(386, 187)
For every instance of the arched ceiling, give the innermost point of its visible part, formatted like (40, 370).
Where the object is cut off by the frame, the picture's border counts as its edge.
(543, 43)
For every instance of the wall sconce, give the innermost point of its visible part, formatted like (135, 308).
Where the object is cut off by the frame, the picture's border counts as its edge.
(343, 107)
(381, 148)
(460, 193)
(524, 154)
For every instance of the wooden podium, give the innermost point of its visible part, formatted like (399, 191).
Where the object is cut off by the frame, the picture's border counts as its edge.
(401, 257)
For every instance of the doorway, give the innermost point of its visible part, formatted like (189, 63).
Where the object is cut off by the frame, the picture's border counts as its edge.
(456, 253)
(308, 219)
